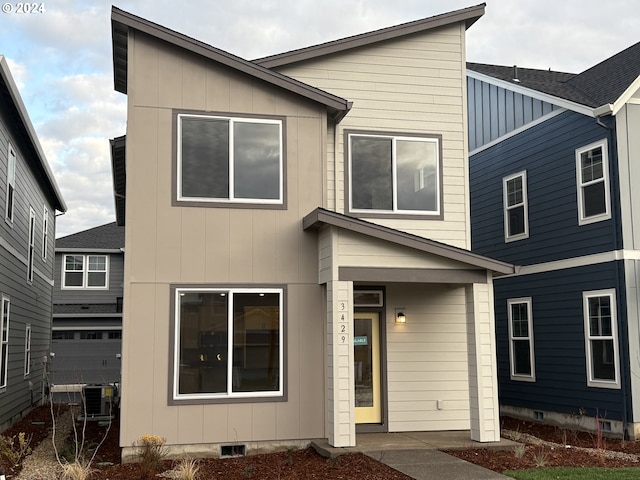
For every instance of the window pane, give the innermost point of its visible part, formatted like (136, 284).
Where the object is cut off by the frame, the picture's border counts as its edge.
(73, 263)
(516, 220)
(205, 158)
(602, 360)
(256, 154)
(519, 320)
(591, 162)
(256, 342)
(371, 175)
(521, 357)
(417, 175)
(203, 342)
(73, 279)
(97, 263)
(594, 199)
(61, 335)
(514, 191)
(96, 279)
(600, 317)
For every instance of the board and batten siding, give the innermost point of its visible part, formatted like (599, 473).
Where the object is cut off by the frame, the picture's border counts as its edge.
(414, 84)
(632, 286)
(547, 153)
(216, 246)
(628, 141)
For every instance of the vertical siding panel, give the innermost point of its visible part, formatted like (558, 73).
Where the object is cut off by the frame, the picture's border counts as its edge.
(471, 117)
(510, 110)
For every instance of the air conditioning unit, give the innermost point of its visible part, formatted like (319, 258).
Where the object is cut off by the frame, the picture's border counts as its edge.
(99, 401)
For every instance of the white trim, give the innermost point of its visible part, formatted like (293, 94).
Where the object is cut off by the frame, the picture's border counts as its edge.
(580, 185)
(45, 233)
(545, 97)
(506, 208)
(9, 215)
(576, 262)
(518, 131)
(4, 299)
(31, 245)
(27, 350)
(592, 382)
(85, 273)
(626, 96)
(513, 375)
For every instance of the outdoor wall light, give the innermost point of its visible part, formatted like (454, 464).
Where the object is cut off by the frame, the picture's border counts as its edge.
(400, 316)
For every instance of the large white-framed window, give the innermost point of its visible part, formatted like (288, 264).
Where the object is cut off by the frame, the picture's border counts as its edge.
(4, 347)
(394, 173)
(521, 351)
(516, 209)
(229, 343)
(32, 244)
(225, 159)
(85, 271)
(45, 232)
(11, 184)
(592, 175)
(601, 338)
(27, 350)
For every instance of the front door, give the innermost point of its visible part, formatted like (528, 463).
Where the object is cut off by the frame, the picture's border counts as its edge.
(366, 359)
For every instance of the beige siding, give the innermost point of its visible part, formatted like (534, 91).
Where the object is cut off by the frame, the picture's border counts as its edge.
(167, 244)
(414, 84)
(427, 359)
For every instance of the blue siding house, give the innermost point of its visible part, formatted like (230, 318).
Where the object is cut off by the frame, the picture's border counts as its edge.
(554, 175)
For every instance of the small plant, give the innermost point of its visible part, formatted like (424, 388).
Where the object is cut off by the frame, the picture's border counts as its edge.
(78, 470)
(540, 457)
(519, 451)
(248, 471)
(187, 469)
(516, 435)
(150, 453)
(15, 448)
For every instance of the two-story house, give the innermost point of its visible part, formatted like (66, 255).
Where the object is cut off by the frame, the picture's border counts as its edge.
(29, 201)
(87, 308)
(297, 233)
(554, 169)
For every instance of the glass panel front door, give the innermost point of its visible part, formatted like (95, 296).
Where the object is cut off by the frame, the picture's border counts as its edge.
(366, 355)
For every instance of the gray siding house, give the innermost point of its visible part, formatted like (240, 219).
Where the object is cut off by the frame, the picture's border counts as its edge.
(87, 308)
(29, 200)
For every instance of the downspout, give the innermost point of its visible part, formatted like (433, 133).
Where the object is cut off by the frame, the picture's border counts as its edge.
(613, 148)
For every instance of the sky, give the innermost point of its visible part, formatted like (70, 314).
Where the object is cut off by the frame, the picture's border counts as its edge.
(61, 59)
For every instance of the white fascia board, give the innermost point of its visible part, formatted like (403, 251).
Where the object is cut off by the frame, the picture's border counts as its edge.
(626, 96)
(545, 97)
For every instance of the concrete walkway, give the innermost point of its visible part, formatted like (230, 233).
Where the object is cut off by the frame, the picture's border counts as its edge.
(417, 454)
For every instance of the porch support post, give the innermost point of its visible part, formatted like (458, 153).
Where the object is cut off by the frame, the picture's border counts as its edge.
(340, 387)
(481, 348)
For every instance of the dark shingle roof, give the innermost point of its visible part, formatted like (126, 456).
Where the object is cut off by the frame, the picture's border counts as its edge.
(109, 236)
(596, 86)
(86, 309)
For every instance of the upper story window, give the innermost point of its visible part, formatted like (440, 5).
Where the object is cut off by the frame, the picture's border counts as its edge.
(85, 271)
(521, 352)
(601, 339)
(32, 244)
(45, 232)
(230, 160)
(592, 170)
(397, 174)
(4, 341)
(11, 184)
(27, 350)
(516, 215)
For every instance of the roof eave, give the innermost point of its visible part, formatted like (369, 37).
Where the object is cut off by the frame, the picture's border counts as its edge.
(622, 100)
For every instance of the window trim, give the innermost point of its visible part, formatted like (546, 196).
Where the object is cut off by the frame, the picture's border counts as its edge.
(525, 204)
(582, 219)
(12, 159)
(438, 214)
(85, 272)
(513, 375)
(27, 350)
(5, 310)
(178, 200)
(175, 398)
(45, 232)
(592, 382)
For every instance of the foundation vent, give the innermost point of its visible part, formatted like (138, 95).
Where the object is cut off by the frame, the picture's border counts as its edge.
(227, 451)
(537, 415)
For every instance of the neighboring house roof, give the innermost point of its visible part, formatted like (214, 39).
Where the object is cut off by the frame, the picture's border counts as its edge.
(18, 116)
(119, 172)
(602, 84)
(105, 237)
(468, 15)
(122, 21)
(321, 216)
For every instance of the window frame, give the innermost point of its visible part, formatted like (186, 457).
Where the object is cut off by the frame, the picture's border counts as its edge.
(175, 397)
(85, 272)
(31, 245)
(436, 214)
(27, 350)
(582, 219)
(513, 375)
(524, 204)
(10, 196)
(5, 314)
(45, 232)
(178, 199)
(591, 381)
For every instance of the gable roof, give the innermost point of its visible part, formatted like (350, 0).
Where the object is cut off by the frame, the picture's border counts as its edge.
(122, 22)
(602, 84)
(320, 217)
(16, 112)
(104, 237)
(467, 15)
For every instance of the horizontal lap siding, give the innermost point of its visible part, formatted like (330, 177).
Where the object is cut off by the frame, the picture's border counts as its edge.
(547, 153)
(89, 295)
(410, 85)
(558, 336)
